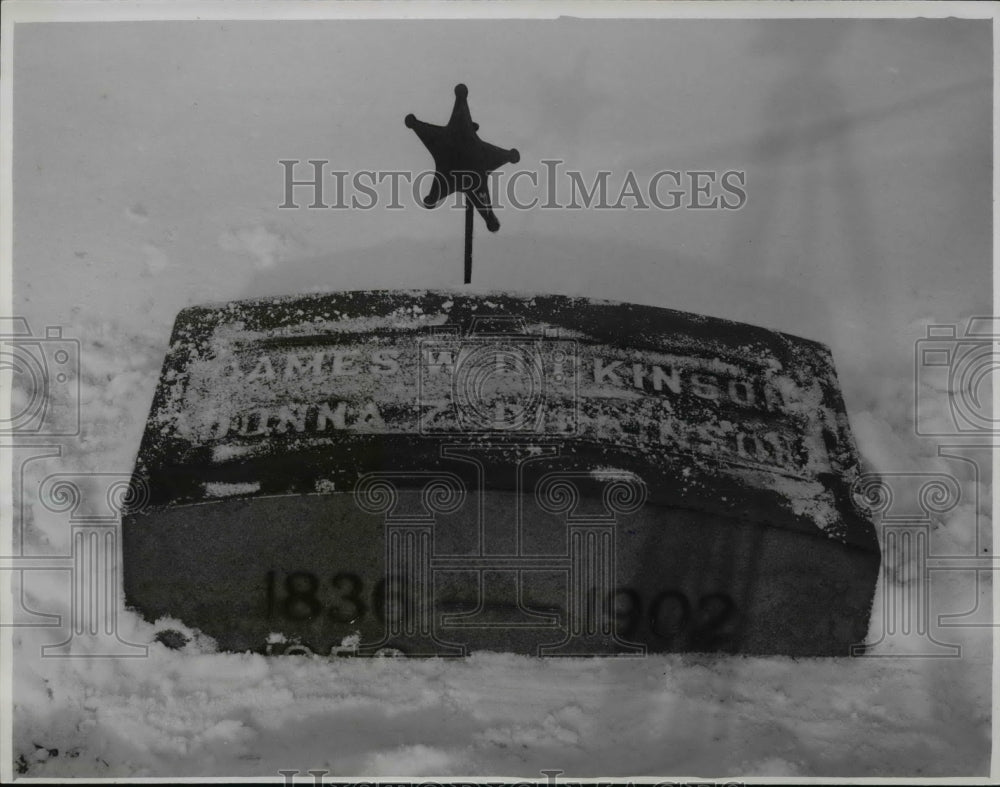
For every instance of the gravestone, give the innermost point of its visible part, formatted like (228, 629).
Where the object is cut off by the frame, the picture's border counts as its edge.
(433, 473)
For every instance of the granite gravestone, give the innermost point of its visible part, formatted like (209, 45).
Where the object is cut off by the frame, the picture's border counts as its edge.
(432, 473)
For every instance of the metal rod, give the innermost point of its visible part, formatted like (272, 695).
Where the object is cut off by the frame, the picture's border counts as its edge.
(469, 213)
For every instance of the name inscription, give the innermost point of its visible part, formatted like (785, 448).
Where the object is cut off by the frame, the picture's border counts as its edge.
(673, 377)
(643, 399)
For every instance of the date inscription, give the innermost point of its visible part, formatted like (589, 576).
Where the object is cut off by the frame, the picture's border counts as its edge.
(703, 621)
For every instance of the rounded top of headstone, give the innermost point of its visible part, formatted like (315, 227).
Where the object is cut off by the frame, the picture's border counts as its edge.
(692, 402)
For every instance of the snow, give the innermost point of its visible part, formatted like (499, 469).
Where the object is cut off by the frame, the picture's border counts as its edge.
(237, 714)
(171, 206)
(195, 711)
(224, 489)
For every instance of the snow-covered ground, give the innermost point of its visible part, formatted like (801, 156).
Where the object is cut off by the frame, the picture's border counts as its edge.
(146, 181)
(194, 711)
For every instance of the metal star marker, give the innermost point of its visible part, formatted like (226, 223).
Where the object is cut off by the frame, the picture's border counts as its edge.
(463, 163)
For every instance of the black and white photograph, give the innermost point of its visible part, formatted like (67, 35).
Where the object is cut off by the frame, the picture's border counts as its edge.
(436, 393)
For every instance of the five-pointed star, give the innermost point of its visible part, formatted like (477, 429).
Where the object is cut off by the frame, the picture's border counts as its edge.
(462, 160)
